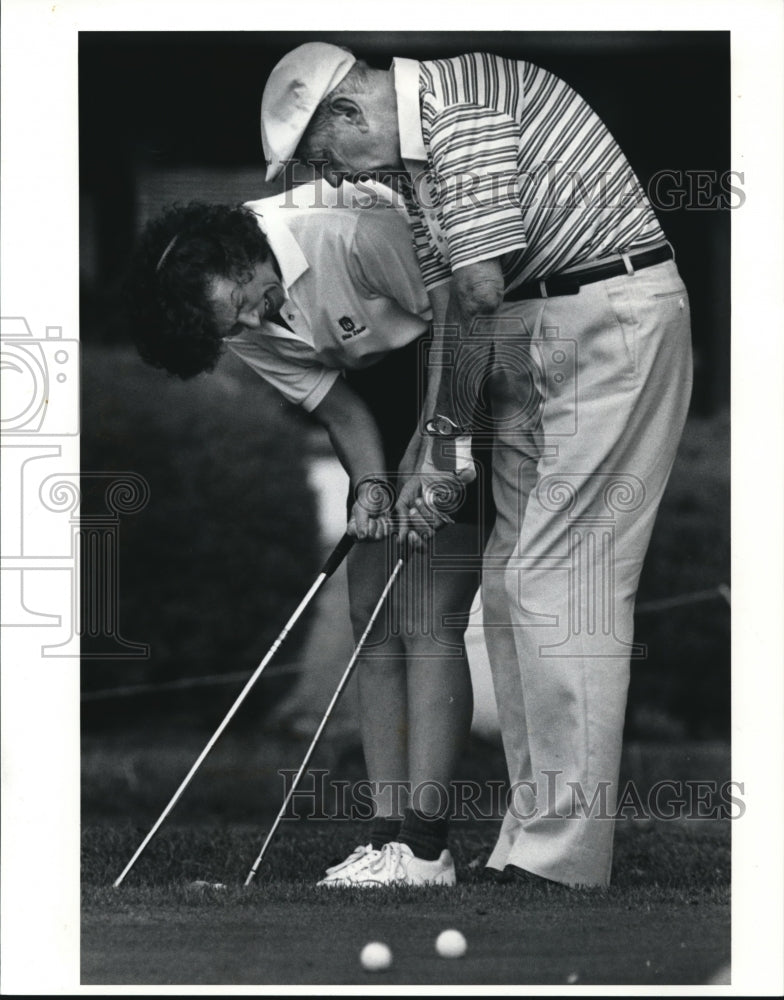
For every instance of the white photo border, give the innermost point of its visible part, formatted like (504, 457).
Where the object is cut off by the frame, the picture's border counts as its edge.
(40, 282)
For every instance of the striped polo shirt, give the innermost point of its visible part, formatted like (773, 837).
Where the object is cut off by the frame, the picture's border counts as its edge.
(507, 161)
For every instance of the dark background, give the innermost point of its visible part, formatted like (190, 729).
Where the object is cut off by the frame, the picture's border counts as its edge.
(152, 101)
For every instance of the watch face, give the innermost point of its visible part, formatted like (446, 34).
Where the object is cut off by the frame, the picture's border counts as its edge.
(442, 426)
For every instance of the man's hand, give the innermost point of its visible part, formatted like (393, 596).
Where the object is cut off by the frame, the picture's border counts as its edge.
(371, 515)
(426, 503)
(433, 486)
(455, 379)
(431, 493)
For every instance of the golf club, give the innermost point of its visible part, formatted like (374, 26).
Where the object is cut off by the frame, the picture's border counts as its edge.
(333, 561)
(335, 698)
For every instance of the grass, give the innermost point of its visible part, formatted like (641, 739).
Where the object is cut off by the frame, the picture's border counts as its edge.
(684, 862)
(664, 920)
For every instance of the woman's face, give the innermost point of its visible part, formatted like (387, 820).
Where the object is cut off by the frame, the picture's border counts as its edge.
(244, 306)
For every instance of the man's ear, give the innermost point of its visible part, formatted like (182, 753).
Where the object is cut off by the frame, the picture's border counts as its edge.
(350, 111)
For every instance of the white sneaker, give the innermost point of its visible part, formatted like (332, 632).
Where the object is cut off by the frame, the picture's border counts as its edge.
(395, 864)
(342, 874)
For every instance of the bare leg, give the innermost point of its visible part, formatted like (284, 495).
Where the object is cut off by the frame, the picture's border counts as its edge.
(381, 676)
(440, 699)
(415, 694)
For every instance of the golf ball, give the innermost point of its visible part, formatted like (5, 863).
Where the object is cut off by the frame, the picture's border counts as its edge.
(451, 944)
(375, 956)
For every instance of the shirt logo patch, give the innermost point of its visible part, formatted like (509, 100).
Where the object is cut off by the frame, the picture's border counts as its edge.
(352, 330)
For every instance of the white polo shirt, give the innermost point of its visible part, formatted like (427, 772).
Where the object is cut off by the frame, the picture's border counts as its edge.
(353, 290)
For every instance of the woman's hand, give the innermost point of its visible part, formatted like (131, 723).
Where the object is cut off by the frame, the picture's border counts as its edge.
(371, 514)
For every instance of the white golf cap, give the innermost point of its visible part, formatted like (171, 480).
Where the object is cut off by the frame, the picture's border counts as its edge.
(295, 88)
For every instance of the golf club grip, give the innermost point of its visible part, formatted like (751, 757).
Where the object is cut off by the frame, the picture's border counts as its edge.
(337, 555)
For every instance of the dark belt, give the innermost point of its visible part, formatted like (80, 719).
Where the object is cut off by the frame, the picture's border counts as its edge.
(569, 284)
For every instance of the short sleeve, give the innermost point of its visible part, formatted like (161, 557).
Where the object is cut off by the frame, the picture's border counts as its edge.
(473, 154)
(383, 261)
(433, 267)
(288, 366)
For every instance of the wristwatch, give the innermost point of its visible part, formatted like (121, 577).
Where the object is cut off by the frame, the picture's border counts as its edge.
(441, 426)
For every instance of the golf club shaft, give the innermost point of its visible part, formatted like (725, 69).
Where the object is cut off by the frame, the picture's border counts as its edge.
(333, 561)
(339, 691)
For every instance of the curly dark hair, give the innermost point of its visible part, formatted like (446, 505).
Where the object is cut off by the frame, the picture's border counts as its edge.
(167, 283)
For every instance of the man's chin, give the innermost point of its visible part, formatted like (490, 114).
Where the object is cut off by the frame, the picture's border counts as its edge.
(381, 175)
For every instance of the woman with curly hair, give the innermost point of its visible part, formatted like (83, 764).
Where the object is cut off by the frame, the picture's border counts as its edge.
(178, 257)
(326, 303)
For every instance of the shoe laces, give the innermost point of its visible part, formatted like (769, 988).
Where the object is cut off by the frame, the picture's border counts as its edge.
(359, 852)
(391, 858)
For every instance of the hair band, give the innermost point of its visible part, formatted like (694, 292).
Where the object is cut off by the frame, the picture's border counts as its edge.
(167, 251)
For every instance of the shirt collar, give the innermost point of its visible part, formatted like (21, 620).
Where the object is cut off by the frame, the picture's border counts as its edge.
(287, 252)
(409, 118)
(270, 215)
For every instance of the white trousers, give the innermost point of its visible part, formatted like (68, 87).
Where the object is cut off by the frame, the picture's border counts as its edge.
(590, 394)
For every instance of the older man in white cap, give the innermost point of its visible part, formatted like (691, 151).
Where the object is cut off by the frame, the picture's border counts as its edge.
(565, 295)
(295, 89)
